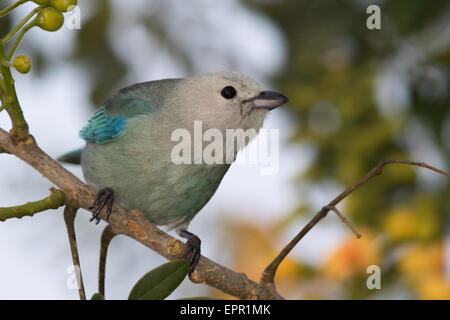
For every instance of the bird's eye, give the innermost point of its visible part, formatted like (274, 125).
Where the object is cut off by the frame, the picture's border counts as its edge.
(228, 92)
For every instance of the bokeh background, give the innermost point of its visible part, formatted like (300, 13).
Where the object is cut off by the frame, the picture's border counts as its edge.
(357, 96)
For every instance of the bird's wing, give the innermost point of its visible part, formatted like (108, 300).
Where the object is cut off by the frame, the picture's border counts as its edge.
(102, 128)
(110, 120)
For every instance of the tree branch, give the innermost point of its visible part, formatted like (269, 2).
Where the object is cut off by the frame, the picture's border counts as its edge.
(135, 225)
(268, 275)
(10, 102)
(54, 201)
(107, 235)
(70, 212)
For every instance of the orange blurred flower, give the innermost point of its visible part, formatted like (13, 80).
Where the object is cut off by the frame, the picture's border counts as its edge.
(254, 247)
(254, 250)
(352, 258)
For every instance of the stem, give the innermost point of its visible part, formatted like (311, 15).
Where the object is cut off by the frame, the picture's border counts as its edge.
(344, 221)
(107, 235)
(3, 94)
(20, 25)
(54, 201)
(11, 102)
(4, 12)
(19, 38)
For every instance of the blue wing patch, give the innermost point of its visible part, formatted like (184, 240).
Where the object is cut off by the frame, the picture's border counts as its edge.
(102, 128)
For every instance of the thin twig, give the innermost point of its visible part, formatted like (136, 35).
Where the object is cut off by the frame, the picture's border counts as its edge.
(21, 23)
(70, 212)
(18, 39)
(345, 221)
(269, 273)
(53, 201)
(107, 235)
(11, 7)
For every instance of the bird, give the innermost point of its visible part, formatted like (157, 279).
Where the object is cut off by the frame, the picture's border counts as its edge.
(129, 150)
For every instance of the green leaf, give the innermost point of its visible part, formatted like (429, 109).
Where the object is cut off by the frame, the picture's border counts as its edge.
(158, 283)
(97, 296)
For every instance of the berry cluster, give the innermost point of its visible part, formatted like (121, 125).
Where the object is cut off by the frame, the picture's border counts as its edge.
(48, 16)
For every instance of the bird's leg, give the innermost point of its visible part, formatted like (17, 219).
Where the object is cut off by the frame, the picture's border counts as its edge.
(105, 197)
(192, 254)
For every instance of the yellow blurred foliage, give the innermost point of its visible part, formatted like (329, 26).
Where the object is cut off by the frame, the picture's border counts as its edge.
(401, 224)
(434, 287)
(423, 266)
(352, 258)
(416, 221)
(422, 260)
(350, 170)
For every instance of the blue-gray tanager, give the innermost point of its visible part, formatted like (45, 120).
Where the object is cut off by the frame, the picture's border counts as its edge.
(129, 145)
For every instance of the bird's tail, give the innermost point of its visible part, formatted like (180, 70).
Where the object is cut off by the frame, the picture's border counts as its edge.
(73, 157)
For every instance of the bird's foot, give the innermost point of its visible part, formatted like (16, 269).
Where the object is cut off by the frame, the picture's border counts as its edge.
(192, 254)
(105, 197)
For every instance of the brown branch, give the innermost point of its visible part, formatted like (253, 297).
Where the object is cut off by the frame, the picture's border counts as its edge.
(268, 275)
(70, 212)
(133, 224)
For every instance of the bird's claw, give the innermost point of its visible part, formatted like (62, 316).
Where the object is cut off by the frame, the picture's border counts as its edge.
(105, 197)
(192, 254)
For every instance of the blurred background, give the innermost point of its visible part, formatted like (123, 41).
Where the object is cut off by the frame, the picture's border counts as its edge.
(357, 96)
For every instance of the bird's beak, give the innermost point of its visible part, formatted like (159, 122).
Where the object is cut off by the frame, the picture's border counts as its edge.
(268, 100)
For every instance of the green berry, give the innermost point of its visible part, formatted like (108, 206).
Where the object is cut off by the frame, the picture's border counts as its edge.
(62, 5)
(22, 64)
(49, 19)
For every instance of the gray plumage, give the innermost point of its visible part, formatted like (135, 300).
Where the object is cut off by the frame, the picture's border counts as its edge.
(129, 141)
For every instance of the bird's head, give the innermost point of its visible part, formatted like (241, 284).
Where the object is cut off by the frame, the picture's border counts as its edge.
(226, 100)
